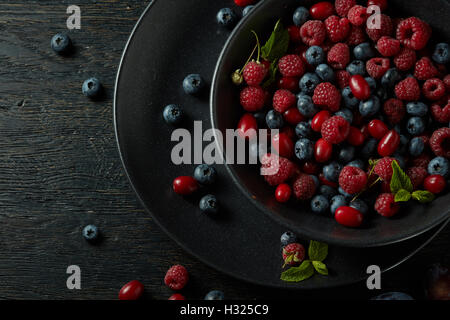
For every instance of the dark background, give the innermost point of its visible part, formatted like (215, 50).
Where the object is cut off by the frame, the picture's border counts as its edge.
(60, 170)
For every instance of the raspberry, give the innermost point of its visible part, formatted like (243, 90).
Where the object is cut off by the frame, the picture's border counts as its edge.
(277, 169)
(408, 89)
(380, 3)
(313, 32)
(335, 130)
(441, 115)
(421, 161)
(417, 175)
(425, 69)
(328, 96)
(447, 82)
(405, 60)
(356, 36)
(377, 67)
(339, 56)
(433, 89)
(304, 187)
(343, 78)
(383, 169)
(440, 142)
(386, 205)
(386, 28)
(283, 100)
(357, 15)
(352, 180)
(395, 110)
(176, 277)
(293, 254)
(291, 66)
(413, 33)
(252, 98)
(337, 28)
(294, 34)
(343, 6)
(244, 3)
(254, 73)
(388, 46)
(327, 45)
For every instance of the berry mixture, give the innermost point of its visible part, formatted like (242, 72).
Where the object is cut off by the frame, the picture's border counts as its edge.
(362, 112)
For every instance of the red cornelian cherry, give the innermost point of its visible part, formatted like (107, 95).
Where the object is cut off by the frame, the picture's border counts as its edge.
(377, 129)
(310, 167)
(360, 88)
(389, 143)
(321, 10)
(348, 216)
(290, 132)
(246, 123)
(133, 290)
(319, 119)
(293, 116)
(294, 34)
(288, 83)
(177, 296)
(185, 185)
(435, 183)
(283, 193)
(326, 182)
(323, 150)
(283, 145)
(355, 137)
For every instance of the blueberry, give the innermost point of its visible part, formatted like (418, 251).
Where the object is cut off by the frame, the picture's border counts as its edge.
(92, 88)
(327, 191)
(369, 148)
(358, 163)
(193, 83)
(441, 53)
(325, 72)
(346, 154)
(415, 126)
(91, 233)
(274, 120)
(315, 55)
(316, 180)
(215, 295)
(372, 84)
(301, 15)
(350, 100)
(404, 144)
(319, 204)
(416, 146)
(347, 196)
(356, 67)
(173, 114)
(209, 204)
(347, 114)
(382, 93)
(418, 109)
(360, 205)
(400, 159)
(303, 130)
(308, 83)
(226, 18)
(205, 174)
(260, 119)
(393, 296)
(370, 107)
(287, 238)
(336, 202)
(439, 165)
(331, 171)
(306, 106)
(364, 51)
(247, 10)
(61, 43)
(257, 149)
(391, 78)
(304, 149)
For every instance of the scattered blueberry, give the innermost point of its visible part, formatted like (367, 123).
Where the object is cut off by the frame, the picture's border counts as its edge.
(301, 15)
(400, 159)
(391, 78)
(369, 107)
(325, 72)
(316, 180)
(92, 88)
(91, 233)
(350, 100)
(315, 55)
(393, 296)
(226, 18)
(319, 204)
(303, 130)
(356, 67)
(287, 238)
(358, 163)
(360, 205)
(331, 171)
(215, 295)
(193, 83)
(369, 148)
(364, 51)
(209, 204)
(173, 114)
(247, 9)
(260, 119)
(372, 84)
(336, 202)
(441, 53)
(404, 143)
(415, 126)
(416, 146)
(346, 154)
(348, 196)
(345, 113)
(205, 174)
(327, 191)
(418, 109)
(274, 120)
(306, 106)
(61, 43)
(304, 149)
(439, 165)
(308, 83)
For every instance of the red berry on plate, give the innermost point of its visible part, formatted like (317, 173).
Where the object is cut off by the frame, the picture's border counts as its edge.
(313, 32)
(389, 143)
(440, 142)
(360, 87)
(293, 254)
(252, 98)
(177, 296)
(383, 4)
(357, 15)
(282, 100)
(254, 73)
(339, 56)
(310, 167)
(283, 145)
(244, 3)
(294, 34)
(337, 28)
(288, 83)
(293, 116)
(434, 89)
(377, 67)
(185, 185)
(323, 150)
(383, 169)
(405, 59)
(342, 78)
(408, 89)
(335, 129)
(277, 170)
(324, 181)
(435, 183)
(176, 277)
(133, 290)
(377, 129)
(352, 180)
(318, 120)
(327, 96)
(321, 10)
(441, 115)
(417, 176)
(357, 36)
(425, 69)
(386, 28)
(395, 110)
(343, 6)
(348, 217)
(291, 66)
(386, 206)
(355, 137)
(283, 193)
(388, 46)
(247, 126)
(304, 187)
(413, 33)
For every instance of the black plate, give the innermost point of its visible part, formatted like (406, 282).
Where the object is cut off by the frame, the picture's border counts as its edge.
(242, 242)
(225, 113)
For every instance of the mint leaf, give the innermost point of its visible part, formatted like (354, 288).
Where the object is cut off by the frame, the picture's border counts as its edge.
(272, 74)
(320, 267)
(402, 196)
(423, 196)
(277, 45)
(400, 179)
(317, 251)
(300, 273)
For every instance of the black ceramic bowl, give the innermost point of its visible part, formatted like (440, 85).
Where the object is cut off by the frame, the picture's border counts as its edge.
(225, 113)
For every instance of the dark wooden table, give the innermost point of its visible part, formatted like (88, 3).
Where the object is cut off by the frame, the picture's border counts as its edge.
(60, 170)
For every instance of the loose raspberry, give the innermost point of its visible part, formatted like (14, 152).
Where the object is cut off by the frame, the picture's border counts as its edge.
(343, 6)
(327, 45)
(283, 100)
(383, 4)
(421, 161)
(352, 180)
(291, 66)
(441, 115)
(405, 60)
(176, 277)
(254, 73)
(335, 130)
(413, 33)
(408, 89)
(386, 205)
(356, 36)
(383, 169)
(357, 15)
(293, 254)
(417, 175)
(252, 98)
(294, 34)
(339, 56)
(388, 46)
(440, 142)
(395, 110)
(386, 28)
(337, 28)
(377, 67)
(433, 89)
(327, 96)
(277, 170)
(447, 82)
(304, 187)
(425, 69)
(313, 32)
(343, 78)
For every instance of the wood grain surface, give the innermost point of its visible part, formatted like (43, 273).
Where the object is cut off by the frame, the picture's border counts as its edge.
(60, 170)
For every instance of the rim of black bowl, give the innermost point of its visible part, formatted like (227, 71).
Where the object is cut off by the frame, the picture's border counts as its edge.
(284, 221)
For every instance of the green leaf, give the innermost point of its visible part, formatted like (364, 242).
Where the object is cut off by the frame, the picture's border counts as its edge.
(272, 74)
(320, 267)
(400, 179)
(423, 196)
(300, 273)
(402, 196)
(317, 251)
(277, 45)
